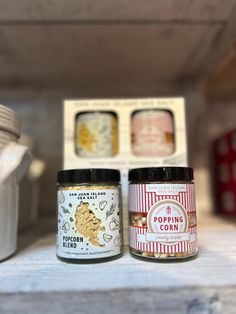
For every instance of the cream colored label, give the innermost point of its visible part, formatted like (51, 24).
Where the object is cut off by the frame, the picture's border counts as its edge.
(88, 224)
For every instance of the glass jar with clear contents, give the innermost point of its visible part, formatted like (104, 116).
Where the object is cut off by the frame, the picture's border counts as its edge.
(162, 213)
(89, 215)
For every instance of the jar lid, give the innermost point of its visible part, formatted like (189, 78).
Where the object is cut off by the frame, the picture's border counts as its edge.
(9, 121)
(161, 174)
(88, 175)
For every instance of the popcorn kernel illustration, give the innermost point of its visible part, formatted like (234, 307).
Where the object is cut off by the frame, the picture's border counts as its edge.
(88, 224)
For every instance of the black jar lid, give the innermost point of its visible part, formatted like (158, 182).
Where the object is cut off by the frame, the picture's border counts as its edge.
(161, 174)
(88, 176)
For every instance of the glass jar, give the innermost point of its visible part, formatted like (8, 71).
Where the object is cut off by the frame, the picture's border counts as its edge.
(162, 213)
(153, 133)
(89, 215)
(96, 134)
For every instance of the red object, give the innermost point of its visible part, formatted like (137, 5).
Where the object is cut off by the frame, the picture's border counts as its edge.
(224, 150)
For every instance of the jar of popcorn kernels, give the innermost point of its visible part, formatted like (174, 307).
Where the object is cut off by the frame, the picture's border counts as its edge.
(162, 213)
(89, 215)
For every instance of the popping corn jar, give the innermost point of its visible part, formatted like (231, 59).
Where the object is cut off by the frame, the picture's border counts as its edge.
(162, 213)
(89, 215)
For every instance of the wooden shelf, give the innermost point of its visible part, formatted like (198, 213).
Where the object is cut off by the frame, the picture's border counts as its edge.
(130, 45)
(115, 10)
(35, 279)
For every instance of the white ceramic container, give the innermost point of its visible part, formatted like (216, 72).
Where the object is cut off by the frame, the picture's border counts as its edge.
(29, 193)
(14, 162)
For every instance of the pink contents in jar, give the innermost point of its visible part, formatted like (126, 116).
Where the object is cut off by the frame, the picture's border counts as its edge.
(152, 133)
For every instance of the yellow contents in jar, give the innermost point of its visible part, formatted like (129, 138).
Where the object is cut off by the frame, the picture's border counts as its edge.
(96, 134)
(85, 139)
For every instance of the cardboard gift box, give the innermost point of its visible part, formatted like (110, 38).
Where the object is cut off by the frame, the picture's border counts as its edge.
(124, 134)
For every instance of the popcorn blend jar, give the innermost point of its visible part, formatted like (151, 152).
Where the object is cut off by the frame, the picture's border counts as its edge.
(89, 215)
(162, 213)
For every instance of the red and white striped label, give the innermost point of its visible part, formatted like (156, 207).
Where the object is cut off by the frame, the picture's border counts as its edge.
(170, 215)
